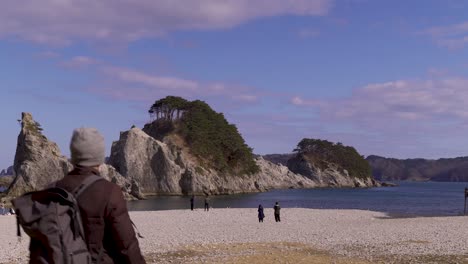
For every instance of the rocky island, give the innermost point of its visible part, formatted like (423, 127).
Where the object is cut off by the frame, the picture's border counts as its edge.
(188, 148)
(38, 162)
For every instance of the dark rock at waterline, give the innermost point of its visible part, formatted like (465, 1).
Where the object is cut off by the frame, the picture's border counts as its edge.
(388, 184)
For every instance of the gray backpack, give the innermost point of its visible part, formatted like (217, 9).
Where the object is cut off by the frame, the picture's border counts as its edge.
(52, 219)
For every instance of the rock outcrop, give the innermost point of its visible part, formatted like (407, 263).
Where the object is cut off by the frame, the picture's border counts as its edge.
(277, 176)
(166, 167)
(39, 162)
(142, 164)
(130, 188)
(5, 182)
(6, 172)
(331, 176)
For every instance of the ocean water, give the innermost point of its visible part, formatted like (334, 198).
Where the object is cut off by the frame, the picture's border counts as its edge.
(406, 200)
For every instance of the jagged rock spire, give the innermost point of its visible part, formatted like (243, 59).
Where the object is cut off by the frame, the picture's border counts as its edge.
(38, 161)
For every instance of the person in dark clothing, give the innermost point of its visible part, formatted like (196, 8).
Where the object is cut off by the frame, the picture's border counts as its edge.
(207, 203)
(109, 233)
(192, 202)
(261, 215)
(277, 209)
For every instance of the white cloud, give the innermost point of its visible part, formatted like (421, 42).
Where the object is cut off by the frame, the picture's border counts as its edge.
(60, 22)
(403, 118)
(48, 54)
(161, 82)
(452, 36)
(245, 98)
(437, 72)
(134, 85)
(80, 61)
(217, 87)
(451, 30)
(432, 100)
(308, 33)
(298, 101)
(454, 43)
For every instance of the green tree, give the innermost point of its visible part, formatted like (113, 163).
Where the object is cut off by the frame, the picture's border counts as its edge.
(168, 108)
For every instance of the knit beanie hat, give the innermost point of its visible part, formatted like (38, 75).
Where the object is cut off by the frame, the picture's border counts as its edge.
(87, 147)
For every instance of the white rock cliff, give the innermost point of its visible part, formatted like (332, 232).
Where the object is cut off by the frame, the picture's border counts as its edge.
(39, 162)
(142, 165)
(165, 168)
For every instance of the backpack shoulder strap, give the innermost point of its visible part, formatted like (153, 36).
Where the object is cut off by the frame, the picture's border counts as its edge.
(85, 184)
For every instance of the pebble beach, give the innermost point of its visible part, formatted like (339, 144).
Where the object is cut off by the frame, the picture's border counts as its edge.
(334, 236)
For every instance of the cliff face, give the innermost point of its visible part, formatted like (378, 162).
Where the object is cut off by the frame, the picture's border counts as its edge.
(389, 169)
(141, 164)
(331, 176)
(147, 161)
(130, 188)
(166, 167)
(38, 162)
(278, 176)
(5, 182)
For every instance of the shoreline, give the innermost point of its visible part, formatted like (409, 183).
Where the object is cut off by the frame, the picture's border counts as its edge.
(356, 235)
(388, 215)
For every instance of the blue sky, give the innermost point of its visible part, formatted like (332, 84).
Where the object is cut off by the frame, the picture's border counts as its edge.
(387, 77)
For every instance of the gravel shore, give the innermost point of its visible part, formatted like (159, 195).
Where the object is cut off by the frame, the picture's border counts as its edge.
(359, 234)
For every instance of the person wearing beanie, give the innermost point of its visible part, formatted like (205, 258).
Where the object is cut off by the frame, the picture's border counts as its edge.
(87, 147)
(109, 233)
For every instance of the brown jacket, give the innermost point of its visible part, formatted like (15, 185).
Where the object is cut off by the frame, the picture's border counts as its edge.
(105, 218)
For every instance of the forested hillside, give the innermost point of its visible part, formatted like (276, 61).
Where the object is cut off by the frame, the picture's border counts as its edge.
(209, 137)
(454, 169)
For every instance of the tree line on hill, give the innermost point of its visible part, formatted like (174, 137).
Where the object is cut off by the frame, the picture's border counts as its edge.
(389, 169)
(322, 153)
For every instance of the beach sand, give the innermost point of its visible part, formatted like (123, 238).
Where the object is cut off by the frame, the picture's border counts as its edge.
(302, 236)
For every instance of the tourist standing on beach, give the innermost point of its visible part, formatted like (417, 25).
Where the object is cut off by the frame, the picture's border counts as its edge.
(110, 237)
(261, 215)
(207, 203)
(192, 202)
(277, 209)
